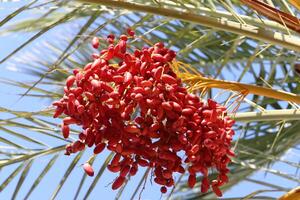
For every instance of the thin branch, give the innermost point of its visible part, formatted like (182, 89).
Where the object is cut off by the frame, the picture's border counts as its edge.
(30, 156)
(269, 115)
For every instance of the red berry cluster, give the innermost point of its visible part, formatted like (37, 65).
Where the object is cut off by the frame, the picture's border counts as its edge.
(140, 110)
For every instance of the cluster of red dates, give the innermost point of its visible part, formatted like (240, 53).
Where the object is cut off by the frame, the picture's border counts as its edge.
(132, 103)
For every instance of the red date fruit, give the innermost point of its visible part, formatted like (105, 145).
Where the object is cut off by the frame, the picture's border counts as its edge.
(140, 110)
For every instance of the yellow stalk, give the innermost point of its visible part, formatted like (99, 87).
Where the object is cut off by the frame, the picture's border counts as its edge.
(296, 3)
(198, 82)
(294, 194)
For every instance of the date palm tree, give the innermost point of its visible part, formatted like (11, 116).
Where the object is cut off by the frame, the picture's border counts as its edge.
(248, 61)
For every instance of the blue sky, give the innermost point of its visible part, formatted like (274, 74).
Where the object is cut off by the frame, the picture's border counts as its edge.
(8, 93)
